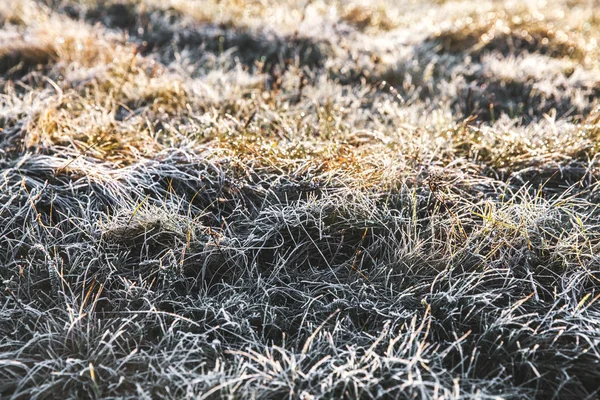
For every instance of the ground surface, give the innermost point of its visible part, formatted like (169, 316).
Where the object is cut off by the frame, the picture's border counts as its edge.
(303, 200)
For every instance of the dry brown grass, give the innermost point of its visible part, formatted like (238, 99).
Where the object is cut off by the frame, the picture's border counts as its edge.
(375, 17)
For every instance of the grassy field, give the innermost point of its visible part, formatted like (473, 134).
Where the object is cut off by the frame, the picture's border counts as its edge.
(304, 199)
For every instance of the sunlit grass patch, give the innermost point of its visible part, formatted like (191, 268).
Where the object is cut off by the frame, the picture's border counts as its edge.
(371, 16)
(513, 30)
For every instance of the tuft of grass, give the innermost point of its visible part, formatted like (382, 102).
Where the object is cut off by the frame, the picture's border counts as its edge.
(20, 57)
(368, 16)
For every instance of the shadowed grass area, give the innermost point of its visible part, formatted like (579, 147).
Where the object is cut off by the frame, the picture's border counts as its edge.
(302, 200)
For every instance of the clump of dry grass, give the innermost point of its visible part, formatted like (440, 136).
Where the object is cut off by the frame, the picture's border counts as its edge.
(21, 56)
(515, 30)
(306, 200)
(365, 16)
